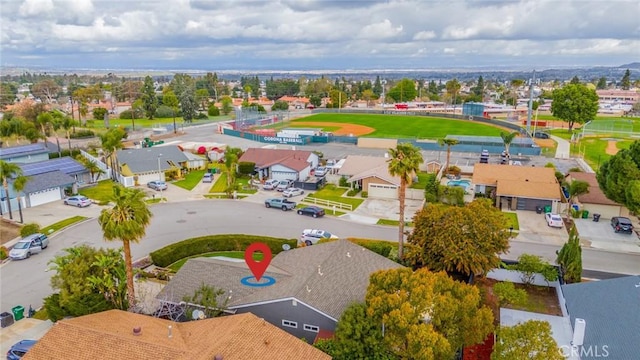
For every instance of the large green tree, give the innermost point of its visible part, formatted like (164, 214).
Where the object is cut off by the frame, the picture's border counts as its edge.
(79, 292)
(574, 104)
(404, 162)
(426, 315)
(126, 221)
(404, 90)
(625, 83)
(531, 340)
(46, 90)
(171, 100)
(453, 89)
(570, 258)
(619, 177)
(507, 139)
(465, 239)
(8, 171)
(149, 98)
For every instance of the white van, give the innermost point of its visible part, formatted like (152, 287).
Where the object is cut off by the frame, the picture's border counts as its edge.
(270, 184)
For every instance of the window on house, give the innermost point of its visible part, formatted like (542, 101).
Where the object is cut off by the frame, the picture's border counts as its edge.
(291, 324)
(311, 328)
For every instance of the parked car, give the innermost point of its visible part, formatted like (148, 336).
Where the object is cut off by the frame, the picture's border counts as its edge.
(19, 349)
(28, 246)
(554, 220)
(621, 224)
(284, 185)
(540, 135)
(270, 184)
(280, 203)
(312, 211)
(207, 178)
(312, 236)
(157, 185)
(320, 171)
(292, 191)
(77, 200)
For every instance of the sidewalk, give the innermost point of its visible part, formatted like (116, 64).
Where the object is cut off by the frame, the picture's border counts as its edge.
(563, 151)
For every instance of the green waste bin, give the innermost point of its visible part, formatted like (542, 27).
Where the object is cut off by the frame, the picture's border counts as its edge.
(585, 214)
(18, 312)
(547, 209)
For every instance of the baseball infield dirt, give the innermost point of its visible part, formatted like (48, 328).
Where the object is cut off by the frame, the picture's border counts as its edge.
(611, 149)
(344, 129)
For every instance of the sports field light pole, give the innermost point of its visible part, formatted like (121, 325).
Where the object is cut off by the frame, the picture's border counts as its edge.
(160, 175)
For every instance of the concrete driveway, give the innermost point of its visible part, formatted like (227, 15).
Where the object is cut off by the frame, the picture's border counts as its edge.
(600, 235)
(534, 228)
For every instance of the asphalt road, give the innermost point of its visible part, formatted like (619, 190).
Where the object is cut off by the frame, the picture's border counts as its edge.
(27, 282)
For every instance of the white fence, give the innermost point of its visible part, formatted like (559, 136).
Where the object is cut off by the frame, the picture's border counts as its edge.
(106, 170)
(328, 203)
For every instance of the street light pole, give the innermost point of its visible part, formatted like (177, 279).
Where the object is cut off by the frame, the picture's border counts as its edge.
(160, 175)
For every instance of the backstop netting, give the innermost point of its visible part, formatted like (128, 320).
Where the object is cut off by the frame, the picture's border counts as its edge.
(623, 128)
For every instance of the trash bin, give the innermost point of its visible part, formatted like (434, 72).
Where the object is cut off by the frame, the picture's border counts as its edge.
(538, 209)
(547, 209)
(596, 217)
(18, 312)
(585, 214)
(6, 319)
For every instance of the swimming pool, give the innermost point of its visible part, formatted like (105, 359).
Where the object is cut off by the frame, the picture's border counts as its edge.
(462, 183)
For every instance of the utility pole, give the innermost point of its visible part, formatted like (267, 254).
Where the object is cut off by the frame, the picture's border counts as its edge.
(530, 110)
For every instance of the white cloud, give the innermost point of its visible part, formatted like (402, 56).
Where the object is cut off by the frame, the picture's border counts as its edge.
(35, 7)
(381, 30)
(424, 35)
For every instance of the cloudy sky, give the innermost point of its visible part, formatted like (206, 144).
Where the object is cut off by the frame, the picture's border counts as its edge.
(318, 34)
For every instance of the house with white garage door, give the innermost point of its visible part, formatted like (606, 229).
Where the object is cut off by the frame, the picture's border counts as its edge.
(371, 174)
(595, 201)
(281, 164)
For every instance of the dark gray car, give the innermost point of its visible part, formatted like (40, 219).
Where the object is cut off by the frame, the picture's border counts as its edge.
(621, 224)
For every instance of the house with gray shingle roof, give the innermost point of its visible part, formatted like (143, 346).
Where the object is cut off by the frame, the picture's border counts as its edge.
(611, 311)
(149, 164)
(281, 164)
(313, 285)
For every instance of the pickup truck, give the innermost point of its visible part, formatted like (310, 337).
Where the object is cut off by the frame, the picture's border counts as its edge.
(280, 203)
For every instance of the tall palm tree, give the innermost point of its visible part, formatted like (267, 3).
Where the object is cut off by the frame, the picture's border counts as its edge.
(8, 171)
(18, 185)
(404, 162)
(126, 221)
(507, 139)
(449, 143)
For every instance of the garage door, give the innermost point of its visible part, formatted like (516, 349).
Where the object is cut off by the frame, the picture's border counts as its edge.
(383, 191)
(44, 196)
(532, 204)
(284, 175)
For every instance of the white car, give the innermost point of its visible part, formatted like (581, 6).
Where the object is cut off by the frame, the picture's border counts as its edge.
(290, 192)
(320, 171)
(312, 236)
(77, 200)
(554, 220)
(270, 184)
(284, 185)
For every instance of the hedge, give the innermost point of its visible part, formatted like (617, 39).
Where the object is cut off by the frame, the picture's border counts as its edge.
(380, 247)
(228, 242)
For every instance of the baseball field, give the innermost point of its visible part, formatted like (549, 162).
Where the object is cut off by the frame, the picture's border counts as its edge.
(393, 126)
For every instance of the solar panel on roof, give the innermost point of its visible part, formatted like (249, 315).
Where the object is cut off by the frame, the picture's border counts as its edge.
(66, 164)
(21, 149)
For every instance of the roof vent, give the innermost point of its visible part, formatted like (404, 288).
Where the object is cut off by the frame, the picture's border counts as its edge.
(170, 334)
(218, 357)
(137, 330)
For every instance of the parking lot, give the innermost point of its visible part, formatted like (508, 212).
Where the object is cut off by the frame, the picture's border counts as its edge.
(600, 235)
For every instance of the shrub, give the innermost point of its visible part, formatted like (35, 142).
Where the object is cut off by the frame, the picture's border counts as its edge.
(280, 105)
(380, 247)
(202, 115)
(99, 113)
(65, 152)
(80, 134)
(453, 195)
(454, 170)
(575, 169)
(550, 165)
(508, 294)
(3, 253)
(365, 194)
(28, 229)
(353, 192)
(213, 110)
(343, 182)
(246, 167)
(431, 189)
(128, 114)
(164, 111)
(228, 242)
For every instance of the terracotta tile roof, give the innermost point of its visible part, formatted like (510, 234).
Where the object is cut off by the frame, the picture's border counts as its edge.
(109, 335)
(263, 158)
(595, 194)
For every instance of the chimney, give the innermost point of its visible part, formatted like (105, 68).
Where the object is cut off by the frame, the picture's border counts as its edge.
(170, 334)
(137, 330)
(578, 332)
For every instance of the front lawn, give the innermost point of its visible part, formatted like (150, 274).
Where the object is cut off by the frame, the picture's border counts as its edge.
(335, 193)
(100, 192)
(512, 220)
(62, 224)
(190, 181)
(230, 254)
(220, 185)
(422, 181)
(393, 222)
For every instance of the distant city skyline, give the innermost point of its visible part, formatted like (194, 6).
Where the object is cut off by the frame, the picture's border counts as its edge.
(318, 35)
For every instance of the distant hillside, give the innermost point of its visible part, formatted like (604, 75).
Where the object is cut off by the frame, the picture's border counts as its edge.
(633, 65)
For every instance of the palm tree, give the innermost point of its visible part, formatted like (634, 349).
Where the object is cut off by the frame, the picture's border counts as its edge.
(8, 171)
(126, 221)
(68, 124)
(92, 166)
(577, 188)
(449, 143)
(507, 139)
(404, 162)
(18, 185)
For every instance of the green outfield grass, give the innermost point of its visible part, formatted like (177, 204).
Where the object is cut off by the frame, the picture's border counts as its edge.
(396, 126)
